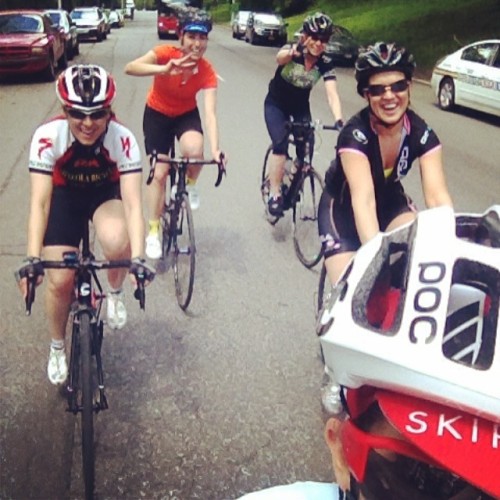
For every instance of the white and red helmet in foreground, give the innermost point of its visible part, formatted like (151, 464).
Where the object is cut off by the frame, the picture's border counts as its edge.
(86, 87)
(415, 327)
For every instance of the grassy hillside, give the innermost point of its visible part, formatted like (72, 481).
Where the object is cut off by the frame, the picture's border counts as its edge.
(429, 28)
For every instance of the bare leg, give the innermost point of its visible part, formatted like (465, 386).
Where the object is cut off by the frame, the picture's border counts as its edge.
(111, 231)
(276, 172)
(58, 293)
(401, 220)
(336, 264)
(191, 146)
(156, 190)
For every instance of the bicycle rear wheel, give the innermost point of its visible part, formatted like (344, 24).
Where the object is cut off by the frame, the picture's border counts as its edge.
(184, 253)
(87, 400)
(305, 219)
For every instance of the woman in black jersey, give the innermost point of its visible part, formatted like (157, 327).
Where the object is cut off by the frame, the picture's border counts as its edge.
(300, 66)
(375, 150)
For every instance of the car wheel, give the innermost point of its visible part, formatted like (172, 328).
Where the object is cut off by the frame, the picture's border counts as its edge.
(63, 60)
(70, 52)
(76, 48)
(49, 73)
(252, 39)
(446, 95)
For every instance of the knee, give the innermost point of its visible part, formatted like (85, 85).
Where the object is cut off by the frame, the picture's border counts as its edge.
(161, 170)
(60, 283)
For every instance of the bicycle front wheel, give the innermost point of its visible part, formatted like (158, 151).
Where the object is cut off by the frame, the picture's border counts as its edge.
(305, 219)
(184, 253)
(264, 177)
(87, 400)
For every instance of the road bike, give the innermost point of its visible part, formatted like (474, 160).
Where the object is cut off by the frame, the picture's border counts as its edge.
(177, 227)
(84, 388)
(301, 190)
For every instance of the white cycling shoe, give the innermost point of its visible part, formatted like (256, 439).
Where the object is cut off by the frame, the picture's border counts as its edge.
(57, 368)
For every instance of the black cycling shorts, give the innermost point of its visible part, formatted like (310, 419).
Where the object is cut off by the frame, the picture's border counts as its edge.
(337, 227)
(276, 119)
(71, 208)
(161, 130)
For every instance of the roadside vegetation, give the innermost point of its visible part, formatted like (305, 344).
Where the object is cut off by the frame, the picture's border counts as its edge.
(430, 29)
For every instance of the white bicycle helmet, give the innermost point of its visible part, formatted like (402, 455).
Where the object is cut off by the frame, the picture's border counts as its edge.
(418, 312)
(414, 326)
(86, 87)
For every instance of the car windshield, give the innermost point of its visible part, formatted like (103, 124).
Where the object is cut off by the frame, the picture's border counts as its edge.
(267, 19)
(243, 17)
(84, 14)
(55, 16)
(16, 23)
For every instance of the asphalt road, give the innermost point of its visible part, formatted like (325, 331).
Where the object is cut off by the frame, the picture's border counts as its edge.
(224, 399)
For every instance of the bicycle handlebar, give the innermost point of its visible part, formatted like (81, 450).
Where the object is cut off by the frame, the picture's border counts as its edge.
(306, 125)
(73, 262)
(221, 163)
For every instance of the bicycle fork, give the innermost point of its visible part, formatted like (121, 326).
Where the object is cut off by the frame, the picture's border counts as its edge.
(74, 382)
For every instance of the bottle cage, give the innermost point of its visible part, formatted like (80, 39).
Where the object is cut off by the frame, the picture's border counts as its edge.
(417, 312)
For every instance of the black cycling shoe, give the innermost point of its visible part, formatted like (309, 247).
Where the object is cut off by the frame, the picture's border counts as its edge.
(275, 206)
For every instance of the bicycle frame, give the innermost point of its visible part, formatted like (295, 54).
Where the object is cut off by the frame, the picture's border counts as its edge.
(86, 322)
(177, 221)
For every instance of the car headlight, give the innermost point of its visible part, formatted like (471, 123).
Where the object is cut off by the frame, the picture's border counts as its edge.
(39, 51)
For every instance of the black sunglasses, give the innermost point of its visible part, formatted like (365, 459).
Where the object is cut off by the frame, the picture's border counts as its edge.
(81, 115)
(379, 90)
(322, 39)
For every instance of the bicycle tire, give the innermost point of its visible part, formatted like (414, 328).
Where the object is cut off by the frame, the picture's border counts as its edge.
(264, 179)
(87, 413)
(184, 252)
(324, 289)
(305, 219)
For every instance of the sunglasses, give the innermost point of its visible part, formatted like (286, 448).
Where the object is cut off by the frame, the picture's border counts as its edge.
(411, 470)
(81, 115)
(322, 39)
(396, 87)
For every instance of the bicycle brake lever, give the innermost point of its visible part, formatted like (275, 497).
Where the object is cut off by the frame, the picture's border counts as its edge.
(152, 165)
(140, 294)
(222, 170)
(30, 293)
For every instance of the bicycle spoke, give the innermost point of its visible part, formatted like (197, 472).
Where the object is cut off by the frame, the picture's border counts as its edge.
(184, 254)
(305, 218)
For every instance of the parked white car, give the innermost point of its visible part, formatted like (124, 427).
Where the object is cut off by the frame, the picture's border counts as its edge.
(469, 77)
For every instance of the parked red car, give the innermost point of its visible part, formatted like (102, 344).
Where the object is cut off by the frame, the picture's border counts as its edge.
(167, 22)
(30, 43)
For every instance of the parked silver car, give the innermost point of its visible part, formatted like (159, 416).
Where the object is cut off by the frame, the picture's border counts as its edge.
(239, 23)
(266, 28)
(90, 23)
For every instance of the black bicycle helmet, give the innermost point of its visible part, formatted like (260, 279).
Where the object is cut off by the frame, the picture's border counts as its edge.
(382, 57)
(318, 24)
(196, 21)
